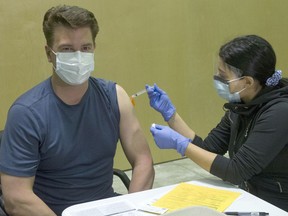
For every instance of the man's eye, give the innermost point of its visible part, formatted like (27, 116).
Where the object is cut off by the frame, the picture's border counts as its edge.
(87, 49)
(67, 49)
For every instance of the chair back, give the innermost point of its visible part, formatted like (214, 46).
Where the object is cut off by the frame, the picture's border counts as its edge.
(2, 211)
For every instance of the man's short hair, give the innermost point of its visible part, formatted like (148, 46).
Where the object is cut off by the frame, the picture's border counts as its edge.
(68, 16)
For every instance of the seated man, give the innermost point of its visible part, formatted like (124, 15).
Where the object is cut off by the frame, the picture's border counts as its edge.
(60, 137)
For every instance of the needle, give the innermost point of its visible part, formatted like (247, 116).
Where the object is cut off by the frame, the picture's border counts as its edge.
(136, 95)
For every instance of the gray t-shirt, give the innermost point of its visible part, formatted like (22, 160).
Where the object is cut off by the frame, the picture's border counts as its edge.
(69, 149)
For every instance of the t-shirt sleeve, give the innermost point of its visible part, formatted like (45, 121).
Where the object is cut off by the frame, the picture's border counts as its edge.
(19, 155)
(218, 139)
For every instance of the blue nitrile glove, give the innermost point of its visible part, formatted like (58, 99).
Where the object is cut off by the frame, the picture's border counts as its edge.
(160, 101)
(167, 138)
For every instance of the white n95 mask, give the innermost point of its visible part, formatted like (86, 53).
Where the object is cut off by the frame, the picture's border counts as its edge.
(74, 68)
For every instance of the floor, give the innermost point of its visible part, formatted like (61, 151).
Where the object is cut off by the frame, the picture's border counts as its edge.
(170, 173)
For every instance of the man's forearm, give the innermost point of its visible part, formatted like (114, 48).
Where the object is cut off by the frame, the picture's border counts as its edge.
(28, 205)
(142, 178)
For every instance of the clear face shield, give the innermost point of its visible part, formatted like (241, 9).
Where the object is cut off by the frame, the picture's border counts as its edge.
(224, 75)
(225, 71)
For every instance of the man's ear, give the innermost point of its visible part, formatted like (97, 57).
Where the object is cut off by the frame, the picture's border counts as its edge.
(48, 53)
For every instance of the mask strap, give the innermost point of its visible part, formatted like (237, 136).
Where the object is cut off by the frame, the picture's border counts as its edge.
(240, 91)
(235, 79)
(54, 68)
(52, 51)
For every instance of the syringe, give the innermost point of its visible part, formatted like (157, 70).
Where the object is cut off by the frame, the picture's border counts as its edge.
(136, 95)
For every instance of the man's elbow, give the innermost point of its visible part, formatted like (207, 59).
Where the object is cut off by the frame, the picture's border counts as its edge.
(11, 207)
(147, 163)
(148, 168)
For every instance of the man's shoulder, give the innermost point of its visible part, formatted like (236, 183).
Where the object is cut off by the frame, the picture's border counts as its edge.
(101, 82)
(107, 90)
(35, 94)
(107, 86)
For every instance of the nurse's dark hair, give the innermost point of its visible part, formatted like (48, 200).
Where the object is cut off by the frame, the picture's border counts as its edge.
(68, 16)
(251, 55)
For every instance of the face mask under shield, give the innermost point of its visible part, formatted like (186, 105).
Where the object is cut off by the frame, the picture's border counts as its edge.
(222, 86)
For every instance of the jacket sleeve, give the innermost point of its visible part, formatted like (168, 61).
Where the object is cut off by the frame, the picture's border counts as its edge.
(265, 141)
(218, 139)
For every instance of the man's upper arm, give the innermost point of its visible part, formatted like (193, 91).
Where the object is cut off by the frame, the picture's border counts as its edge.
(19, 197)
(132, 137)
(19, 154)
(14, 187)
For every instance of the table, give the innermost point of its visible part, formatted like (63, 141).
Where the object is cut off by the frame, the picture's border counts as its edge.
(247, 202)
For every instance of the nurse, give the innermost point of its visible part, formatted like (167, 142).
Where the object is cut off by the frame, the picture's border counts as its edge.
(253, 130)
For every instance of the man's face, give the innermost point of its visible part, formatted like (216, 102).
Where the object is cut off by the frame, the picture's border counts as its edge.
(71, 40)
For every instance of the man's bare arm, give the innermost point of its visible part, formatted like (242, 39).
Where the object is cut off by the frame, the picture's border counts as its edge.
(135, 145)
(20, 199)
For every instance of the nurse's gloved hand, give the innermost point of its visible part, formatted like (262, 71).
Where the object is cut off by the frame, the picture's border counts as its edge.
(160, 101)
(167, 138)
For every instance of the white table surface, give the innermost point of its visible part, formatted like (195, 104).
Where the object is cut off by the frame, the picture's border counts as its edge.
(246, 202)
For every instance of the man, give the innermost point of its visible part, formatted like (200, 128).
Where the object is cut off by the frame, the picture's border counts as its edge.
(60, 137)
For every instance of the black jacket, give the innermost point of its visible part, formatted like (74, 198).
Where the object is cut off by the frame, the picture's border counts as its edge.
(256, 136)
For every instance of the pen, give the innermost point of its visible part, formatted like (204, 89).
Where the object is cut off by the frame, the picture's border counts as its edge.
(247, 213)
(136, 95)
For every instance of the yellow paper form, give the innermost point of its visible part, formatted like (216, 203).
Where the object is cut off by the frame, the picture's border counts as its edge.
(185, 195)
